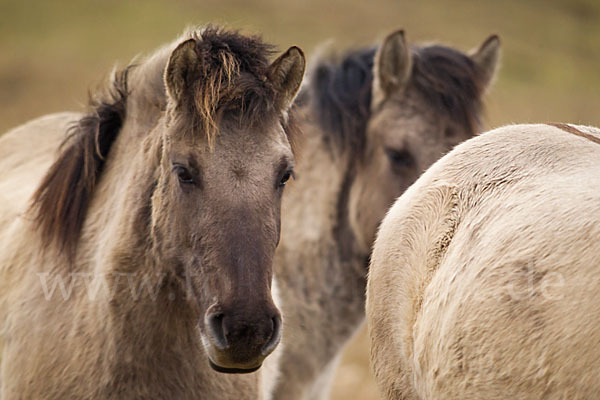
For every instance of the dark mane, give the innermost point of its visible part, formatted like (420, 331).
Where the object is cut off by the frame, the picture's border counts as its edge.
(231, 78)
(60, 202)
(340, 91)
(450, 82)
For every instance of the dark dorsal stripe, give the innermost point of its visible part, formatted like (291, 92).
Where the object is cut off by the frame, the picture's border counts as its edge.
(575, 131)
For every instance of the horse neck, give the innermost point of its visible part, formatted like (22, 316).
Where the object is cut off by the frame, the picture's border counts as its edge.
(315, 205)
(116, 239)
(149, 320)
(318, 266)
(116, 217)
(315, 220)
(120, 207)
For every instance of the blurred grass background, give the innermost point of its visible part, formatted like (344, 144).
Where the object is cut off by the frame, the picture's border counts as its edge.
(52, 52)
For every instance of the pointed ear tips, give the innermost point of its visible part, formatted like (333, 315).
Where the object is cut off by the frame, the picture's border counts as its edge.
(394, 45)
(186, 44)
(286, 74)
(494, 37)
(393, 65)
(189, 41)
(298, 54)
(396, 36)
(180, 51)
(397, 33)
(487, 55)
(296, 51)
(493, 43)
(294, 56)
(400, 33)
(490, 47)
(182, 55)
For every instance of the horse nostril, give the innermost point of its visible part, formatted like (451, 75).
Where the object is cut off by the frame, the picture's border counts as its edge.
(217, 330)
(242, 339)
(275, 336)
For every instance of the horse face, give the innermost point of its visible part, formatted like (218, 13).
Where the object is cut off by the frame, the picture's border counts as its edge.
(216, 208)
(418, 114)
(223, 206)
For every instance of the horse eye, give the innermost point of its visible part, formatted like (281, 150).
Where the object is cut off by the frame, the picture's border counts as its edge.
(286, 177)
(400, 158)
(183, 174)
(449, 132)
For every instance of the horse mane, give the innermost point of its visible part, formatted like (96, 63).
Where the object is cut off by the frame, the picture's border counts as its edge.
(61, 200)
(450, 81)
(340, 90)
(231, 79)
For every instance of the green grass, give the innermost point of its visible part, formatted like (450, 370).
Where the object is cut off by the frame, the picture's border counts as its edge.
(52, 52)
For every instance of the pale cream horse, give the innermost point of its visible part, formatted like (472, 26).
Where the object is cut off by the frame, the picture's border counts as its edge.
(484, 277)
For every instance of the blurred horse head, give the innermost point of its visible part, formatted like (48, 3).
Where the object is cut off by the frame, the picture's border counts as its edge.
(372, 121)
(395, 109)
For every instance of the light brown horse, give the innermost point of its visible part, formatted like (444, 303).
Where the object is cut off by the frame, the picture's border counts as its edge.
(484, 279)
(372, 122)
(141, 250)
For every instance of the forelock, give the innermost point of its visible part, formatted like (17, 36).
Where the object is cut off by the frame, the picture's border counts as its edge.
(231, 79)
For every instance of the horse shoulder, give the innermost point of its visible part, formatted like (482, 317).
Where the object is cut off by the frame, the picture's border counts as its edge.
(411, 242)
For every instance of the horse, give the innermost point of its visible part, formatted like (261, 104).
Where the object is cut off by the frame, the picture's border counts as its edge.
(138, 254)
(483, 281)
(371, 122)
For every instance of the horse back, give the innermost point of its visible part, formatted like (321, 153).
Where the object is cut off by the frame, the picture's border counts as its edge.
(483, 274)
(26, 153)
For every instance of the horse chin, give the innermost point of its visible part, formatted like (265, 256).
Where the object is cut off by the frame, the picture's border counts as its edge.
(227, 370)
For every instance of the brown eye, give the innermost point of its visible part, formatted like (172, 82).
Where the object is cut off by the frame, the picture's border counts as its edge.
(286, 177)
(449, 132)
(400, 158)
(183, 174)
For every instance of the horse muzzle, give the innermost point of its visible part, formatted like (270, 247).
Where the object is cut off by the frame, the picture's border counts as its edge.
(237, 342)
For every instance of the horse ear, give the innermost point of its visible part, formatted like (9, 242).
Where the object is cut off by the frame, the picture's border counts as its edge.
(393, 66)
(182, 62)
(487, 57)
(286, 73)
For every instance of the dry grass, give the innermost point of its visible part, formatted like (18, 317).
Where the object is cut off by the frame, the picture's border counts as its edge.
(53, 51)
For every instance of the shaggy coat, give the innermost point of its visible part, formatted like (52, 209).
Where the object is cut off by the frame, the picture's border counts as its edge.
(138, 249)
(372, 121)
(484, 276)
